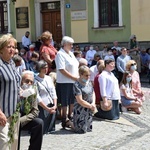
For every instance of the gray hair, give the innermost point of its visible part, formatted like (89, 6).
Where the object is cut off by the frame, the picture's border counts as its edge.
(132, 36)
(41, 64)
(27, 72)
(83, 61)
(66, 39)
(17, 58)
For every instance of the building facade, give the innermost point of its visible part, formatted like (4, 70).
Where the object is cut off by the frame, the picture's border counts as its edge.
(87, 21)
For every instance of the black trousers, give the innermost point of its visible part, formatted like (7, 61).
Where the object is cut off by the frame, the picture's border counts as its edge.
(35, 127)
(120, 75)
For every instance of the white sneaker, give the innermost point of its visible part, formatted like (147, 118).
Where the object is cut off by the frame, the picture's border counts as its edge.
(124, 109)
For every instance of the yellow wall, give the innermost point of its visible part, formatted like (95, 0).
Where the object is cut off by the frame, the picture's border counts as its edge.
(140, 22)
(79, 31)
(21, 31)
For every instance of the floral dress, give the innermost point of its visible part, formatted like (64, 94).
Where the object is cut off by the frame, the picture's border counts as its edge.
(82, 117)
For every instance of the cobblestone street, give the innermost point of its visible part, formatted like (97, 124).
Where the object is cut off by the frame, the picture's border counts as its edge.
(130, 132)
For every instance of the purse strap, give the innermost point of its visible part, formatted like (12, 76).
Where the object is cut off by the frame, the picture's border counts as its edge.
(44, 87)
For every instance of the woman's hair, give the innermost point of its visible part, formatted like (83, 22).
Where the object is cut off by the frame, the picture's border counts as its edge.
(41, 64)
(17, 58)
(66, 39)
(124, 81)
(106, 62)
(46, 36)
(129, 64)
(83, 69)
(5, 40)
(101, 67)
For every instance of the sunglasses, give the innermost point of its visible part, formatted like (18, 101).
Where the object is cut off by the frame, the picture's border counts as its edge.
(133, 64)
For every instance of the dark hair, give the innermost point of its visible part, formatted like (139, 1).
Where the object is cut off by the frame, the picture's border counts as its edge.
(77, 53)
(108, 61)
(34, 55)
(124, 81)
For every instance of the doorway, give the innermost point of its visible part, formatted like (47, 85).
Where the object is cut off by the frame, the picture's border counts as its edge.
(51, 20)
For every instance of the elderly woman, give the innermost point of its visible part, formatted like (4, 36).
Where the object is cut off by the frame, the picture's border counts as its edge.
(131, 66)
(84, 105)
(134, 51)
(110, 92)
(47, 99)
(9, 93)
(47, 51)
(67, 74)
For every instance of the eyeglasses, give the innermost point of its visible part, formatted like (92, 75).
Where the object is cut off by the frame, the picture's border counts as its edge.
(133, 64)
(29, 81)
(9, 46)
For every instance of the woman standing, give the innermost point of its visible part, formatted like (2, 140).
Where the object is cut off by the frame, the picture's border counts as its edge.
(67, 74)
(131, 66)
(84, 105)
(9, 94)
(109, 89)
(47, 99)
(47, 51)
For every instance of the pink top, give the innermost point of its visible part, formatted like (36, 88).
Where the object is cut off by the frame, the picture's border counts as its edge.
(136, 84)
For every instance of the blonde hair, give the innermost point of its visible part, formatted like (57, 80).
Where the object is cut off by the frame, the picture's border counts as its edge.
(83, 69)
(5, 40)
(46, 36)
(128, 65)
(101, 67)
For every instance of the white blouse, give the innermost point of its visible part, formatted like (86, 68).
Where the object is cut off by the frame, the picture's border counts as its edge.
(46, 89)
(109, 86)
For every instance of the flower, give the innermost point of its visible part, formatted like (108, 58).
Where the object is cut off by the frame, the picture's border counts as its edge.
(27, 105)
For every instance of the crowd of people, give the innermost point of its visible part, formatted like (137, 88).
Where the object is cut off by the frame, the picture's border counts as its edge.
(41, 82)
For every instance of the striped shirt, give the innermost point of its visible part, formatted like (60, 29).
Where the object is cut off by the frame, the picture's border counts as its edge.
(9, 87)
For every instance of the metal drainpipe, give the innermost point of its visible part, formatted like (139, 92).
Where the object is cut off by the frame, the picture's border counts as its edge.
(8, 11)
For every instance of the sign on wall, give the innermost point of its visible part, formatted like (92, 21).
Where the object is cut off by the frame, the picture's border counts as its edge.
(78, 15)
(77, 5)
(22, 19)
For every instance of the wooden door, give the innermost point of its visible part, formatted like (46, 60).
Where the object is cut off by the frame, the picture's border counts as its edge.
(52, 23)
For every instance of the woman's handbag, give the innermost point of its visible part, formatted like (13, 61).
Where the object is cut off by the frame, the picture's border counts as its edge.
(109, 105)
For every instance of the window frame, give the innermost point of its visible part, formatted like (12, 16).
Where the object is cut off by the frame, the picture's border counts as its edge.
(97, 20)
(108, 20)
(2, 16)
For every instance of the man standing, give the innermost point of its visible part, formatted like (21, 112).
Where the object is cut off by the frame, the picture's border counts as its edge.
(26, 41)
(121, 63)
(90, 55)
(115, 45)
(29, 111)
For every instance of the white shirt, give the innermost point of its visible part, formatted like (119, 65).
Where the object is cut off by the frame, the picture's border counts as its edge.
(93, 72)
(128, 90)
(109, 57)
(90, 56)
(67, 62)
(45, 96)
(26, 41)
(109, 86)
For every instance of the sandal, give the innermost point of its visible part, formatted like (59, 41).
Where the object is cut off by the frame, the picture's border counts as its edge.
(66, 123)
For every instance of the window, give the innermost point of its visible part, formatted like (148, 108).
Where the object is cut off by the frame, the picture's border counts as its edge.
(3, 17)
(108, 13)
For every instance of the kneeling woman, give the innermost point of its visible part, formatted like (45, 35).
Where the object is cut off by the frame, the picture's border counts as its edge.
(127, 98)
(109, 90)
(47, 97)
(85, 102)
